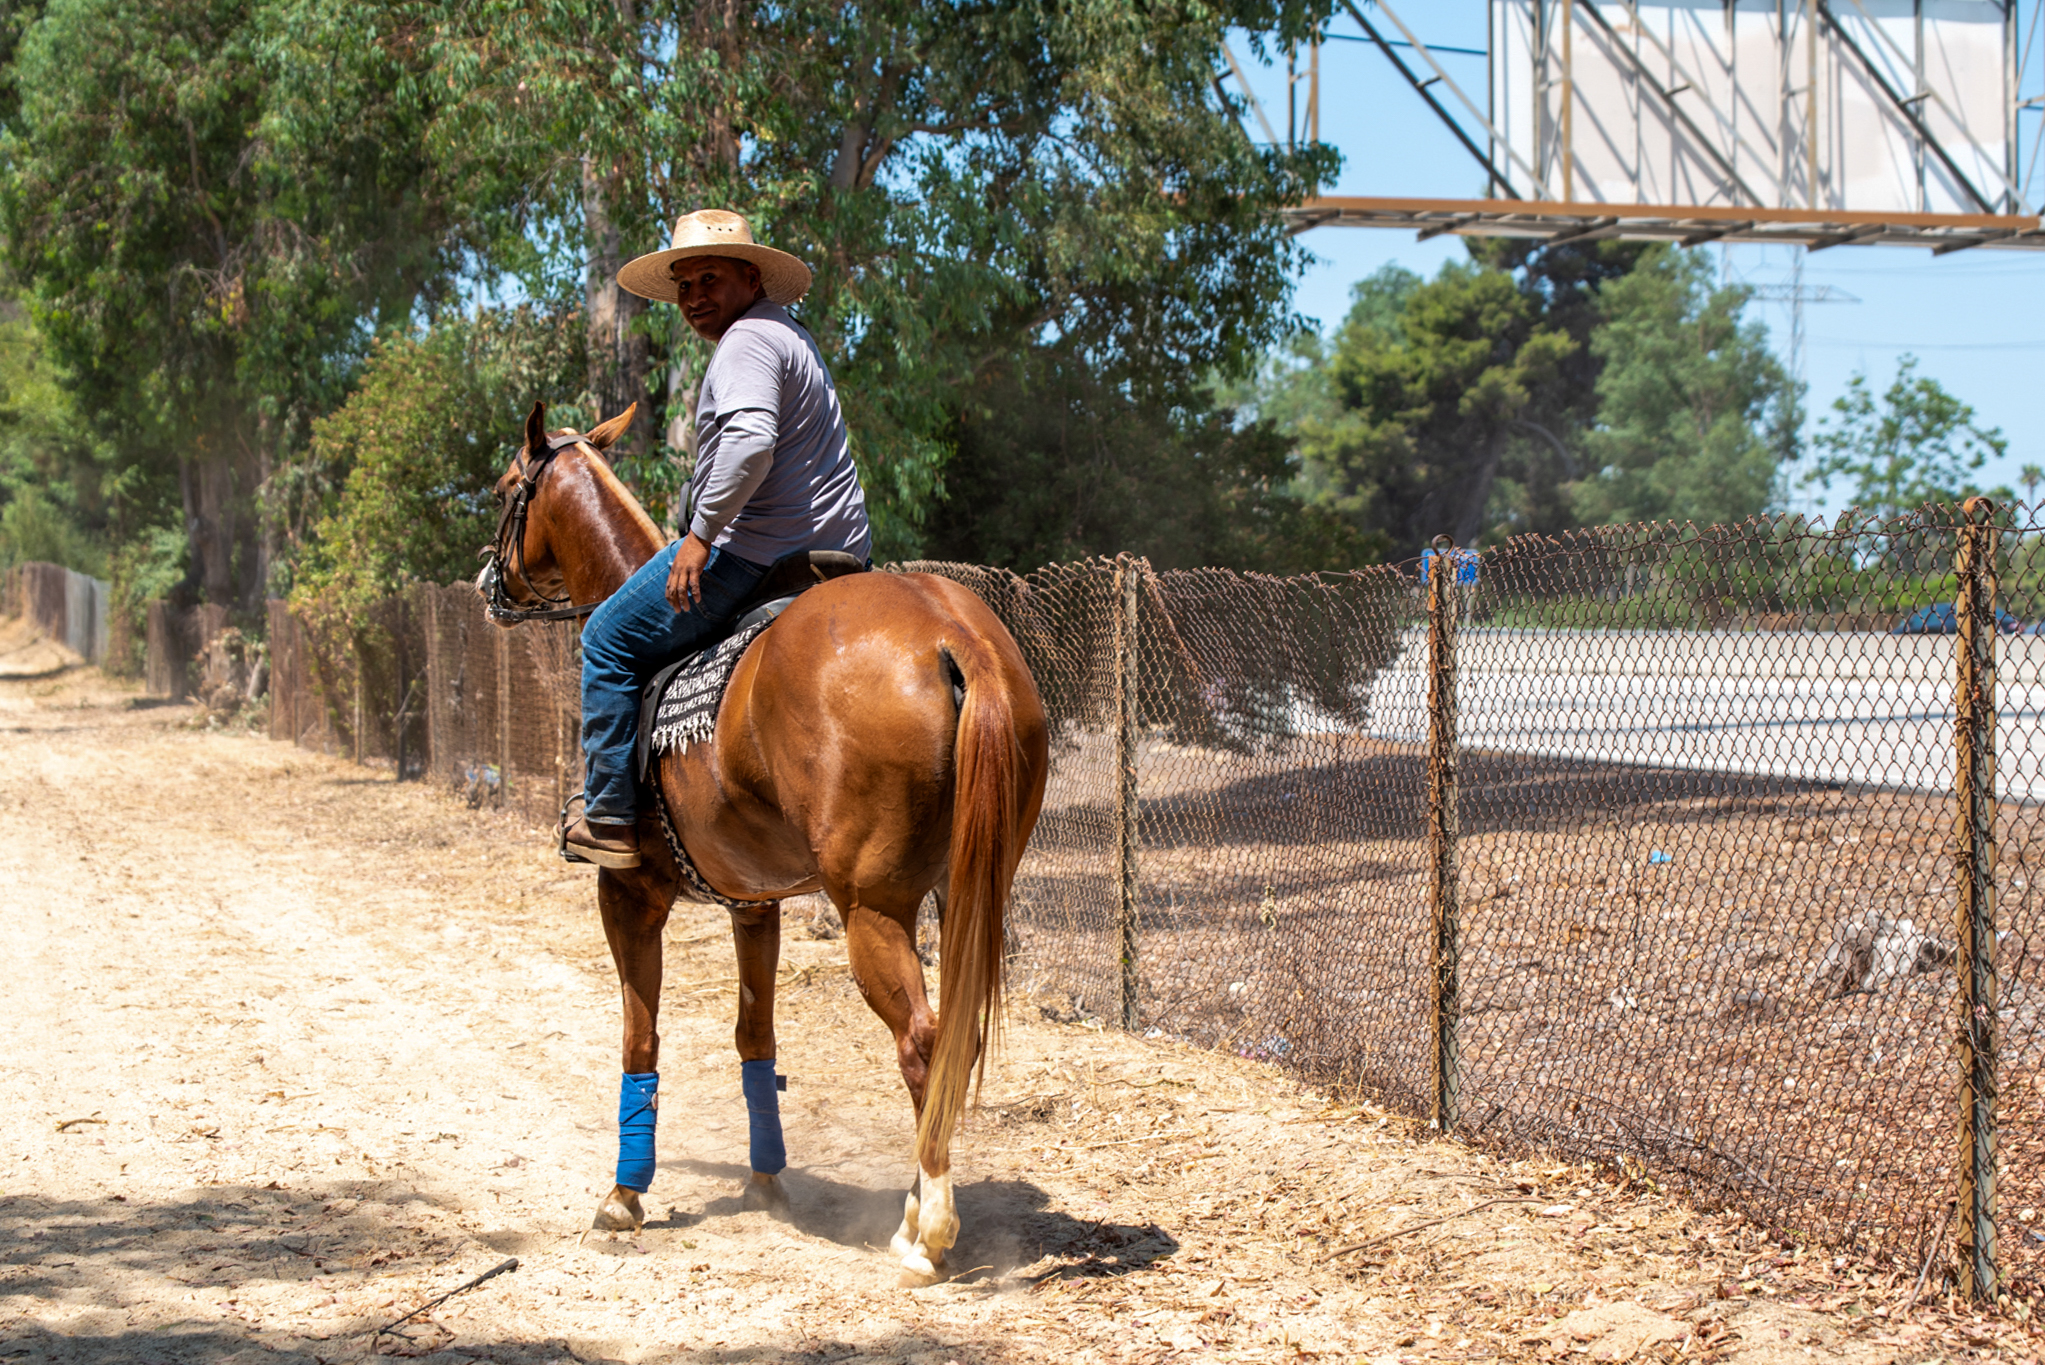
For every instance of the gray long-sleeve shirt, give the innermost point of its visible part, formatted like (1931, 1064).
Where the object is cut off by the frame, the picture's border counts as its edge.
(774, 471)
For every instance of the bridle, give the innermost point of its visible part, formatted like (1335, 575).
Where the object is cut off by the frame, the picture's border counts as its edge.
(506, 551)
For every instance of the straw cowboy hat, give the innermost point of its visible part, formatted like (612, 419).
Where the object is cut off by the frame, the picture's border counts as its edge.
(715, 232)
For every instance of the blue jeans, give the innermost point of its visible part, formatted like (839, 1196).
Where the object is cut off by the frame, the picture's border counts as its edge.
(629, 638)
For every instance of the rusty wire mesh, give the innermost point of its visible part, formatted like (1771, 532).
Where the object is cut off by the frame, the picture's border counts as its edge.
(1705, 849)
(426, 687)
(1704, 858)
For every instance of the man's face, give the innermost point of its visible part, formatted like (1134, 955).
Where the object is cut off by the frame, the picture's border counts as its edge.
(714, 291)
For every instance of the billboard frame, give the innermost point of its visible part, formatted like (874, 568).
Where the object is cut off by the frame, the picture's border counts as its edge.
(1689, 225)
(2006, 220)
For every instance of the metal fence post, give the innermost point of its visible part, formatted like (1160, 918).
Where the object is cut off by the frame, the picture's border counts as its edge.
(1974, 843)
(1441, 824)
(1128, 583)
(404, 710)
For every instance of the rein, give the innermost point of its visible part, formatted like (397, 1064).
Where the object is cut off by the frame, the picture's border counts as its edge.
(509, 541)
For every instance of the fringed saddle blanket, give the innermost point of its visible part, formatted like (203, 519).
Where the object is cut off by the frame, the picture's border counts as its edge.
(686, 695)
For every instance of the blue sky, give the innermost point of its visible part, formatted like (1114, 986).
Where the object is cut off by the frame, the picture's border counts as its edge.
(1974, 319)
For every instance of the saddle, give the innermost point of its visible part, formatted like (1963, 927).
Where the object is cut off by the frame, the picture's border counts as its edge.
(679, 706)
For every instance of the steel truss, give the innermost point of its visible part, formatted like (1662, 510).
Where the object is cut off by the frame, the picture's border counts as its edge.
(1554, 218)
(1691, 226)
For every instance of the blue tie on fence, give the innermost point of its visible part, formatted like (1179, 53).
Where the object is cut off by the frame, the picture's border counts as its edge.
(1464, 560)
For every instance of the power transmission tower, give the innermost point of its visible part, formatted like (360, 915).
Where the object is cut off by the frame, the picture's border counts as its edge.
(1796, 294)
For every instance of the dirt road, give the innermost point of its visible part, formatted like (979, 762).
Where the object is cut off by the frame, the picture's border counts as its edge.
(288, 1049)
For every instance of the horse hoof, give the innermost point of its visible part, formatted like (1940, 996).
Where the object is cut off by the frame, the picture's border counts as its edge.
(917, 1271)
(937, 1222)
(620, 1212)
(903, 1242)
(764, 1194)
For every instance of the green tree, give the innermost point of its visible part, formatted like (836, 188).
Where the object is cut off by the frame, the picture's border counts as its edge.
(1429, 396)
(53, 475)
(207, 276)
(1542, 458)
(984, 190)
(1063, 467)
(1916, 444)
(1694, 415)
(1292, 384)
(219, 206)
(1535, 389)
(1408, 472)
(418, 447)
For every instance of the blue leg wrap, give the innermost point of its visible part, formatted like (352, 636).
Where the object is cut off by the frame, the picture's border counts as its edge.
(638, 1111)
(763, 1107)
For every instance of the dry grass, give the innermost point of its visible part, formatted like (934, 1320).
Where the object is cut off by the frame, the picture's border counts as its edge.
(1639, 950)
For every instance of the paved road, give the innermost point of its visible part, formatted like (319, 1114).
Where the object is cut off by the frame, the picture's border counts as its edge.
(1821, 706)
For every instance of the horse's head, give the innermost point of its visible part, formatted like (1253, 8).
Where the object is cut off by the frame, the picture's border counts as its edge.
(550, 557)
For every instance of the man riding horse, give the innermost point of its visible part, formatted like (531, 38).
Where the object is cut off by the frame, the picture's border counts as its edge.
(882, 740)
(774, 476)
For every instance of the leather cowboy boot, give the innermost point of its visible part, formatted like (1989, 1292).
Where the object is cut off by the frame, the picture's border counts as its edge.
(602, 843)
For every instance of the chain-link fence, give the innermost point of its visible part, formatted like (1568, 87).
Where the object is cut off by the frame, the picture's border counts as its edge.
(1701, 851)
(1695, 850)
(425, 686)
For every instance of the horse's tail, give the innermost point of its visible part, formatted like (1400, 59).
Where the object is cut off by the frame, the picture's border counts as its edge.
(992, 808)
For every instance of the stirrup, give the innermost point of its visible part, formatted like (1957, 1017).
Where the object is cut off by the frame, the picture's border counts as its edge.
(568, 855)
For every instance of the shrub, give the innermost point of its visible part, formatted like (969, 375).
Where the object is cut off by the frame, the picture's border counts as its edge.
(423, 438)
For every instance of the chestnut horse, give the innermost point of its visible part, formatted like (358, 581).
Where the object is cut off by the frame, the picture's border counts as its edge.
(882, 739)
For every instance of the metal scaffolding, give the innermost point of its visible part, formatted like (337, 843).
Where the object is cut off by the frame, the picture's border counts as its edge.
(1814, 123)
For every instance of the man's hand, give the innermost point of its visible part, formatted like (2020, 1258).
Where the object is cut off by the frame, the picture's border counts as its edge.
(685, 579)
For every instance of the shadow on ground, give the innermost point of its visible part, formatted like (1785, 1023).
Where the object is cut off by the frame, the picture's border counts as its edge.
(209, 1346)
(103, 1256)
(1004, 1225)
(1384, 796)
(232, 1235)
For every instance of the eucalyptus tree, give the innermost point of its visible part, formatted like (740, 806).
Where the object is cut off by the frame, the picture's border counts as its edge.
(975, 183)
(208, 282)
(217, 206)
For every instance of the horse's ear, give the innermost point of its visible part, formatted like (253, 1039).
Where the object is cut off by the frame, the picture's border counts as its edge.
(536, 428)
(608, 432)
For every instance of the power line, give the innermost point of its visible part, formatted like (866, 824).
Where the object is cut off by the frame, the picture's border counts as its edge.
(1810, 293)
(1431, 47)
(1797, 294)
